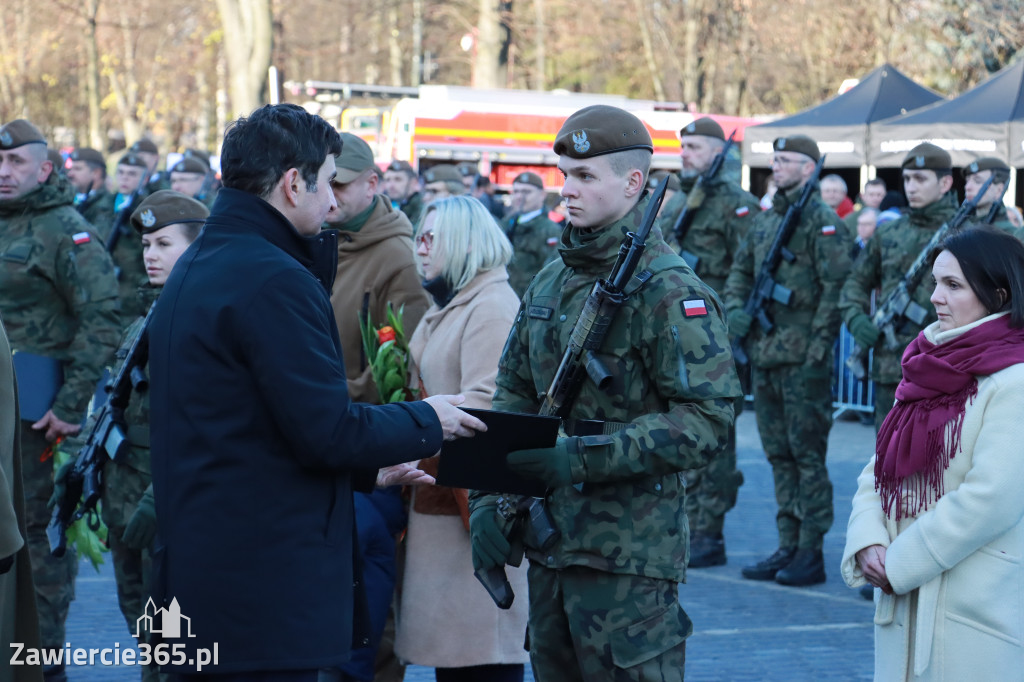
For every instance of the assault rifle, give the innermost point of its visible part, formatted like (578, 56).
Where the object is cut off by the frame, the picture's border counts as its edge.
(993, 211)
(765, 287)
(121, 219)
(899, 304)
(84, 483)
(685, 219)
(526, 520)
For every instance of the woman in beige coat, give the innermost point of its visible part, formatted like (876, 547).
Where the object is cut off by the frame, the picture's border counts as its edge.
(938, 519)
(447, 620)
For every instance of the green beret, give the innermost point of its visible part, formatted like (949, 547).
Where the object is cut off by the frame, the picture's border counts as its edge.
(444, 173)
(88, 155)
(132, 159)
(144, 145)
(193, 153)
(657, 177)
(601, 129)
(190, 164)
(801, 144)
(19, 132)
(55, 158)
(355, 158)
(985, 163)
(928, 156)
(402, 166)
(167, 207)
(706, 126)
(529, 178)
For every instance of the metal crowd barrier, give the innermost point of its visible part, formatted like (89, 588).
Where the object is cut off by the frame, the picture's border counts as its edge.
(849, 393)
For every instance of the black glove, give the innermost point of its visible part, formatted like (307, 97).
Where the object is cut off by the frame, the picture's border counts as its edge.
(141, 528)
(489, 545)
(864, 331)
(553, 466)
(60, 488)
(739, 323)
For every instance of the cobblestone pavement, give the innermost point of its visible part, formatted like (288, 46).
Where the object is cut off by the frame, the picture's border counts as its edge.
(743, 630)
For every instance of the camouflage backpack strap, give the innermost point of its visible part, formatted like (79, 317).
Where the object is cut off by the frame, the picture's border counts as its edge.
(663, 262)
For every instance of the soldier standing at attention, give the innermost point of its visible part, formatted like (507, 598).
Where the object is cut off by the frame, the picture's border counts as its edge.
(975, 175)
(927, 180)
(121, 241)
(188, 176)
(147, 150)
(722, 214)
(402, 187)
(605, 597)
(58, 300)
(442, 181)
(88, 175)
(533, 235)
(792, 364)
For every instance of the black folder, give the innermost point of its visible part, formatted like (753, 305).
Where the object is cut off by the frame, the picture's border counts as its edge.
(479, 462)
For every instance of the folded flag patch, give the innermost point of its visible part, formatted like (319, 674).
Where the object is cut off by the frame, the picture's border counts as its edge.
(81, 237)
(828, 230)
(695, 307)
(552, 241)
(742, 211)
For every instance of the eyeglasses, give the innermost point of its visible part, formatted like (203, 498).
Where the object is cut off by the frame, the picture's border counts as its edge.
(780, 161)
(425, 239)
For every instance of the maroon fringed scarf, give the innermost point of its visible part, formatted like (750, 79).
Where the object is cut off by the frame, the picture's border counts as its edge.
(914, 445)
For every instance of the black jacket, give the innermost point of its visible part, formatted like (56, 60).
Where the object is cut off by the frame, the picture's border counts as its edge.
(255, 445)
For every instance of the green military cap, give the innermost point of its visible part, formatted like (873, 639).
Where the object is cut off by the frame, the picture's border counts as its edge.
(55, 158)
(132, 159)
(706, 126)
(88, 155)
(190, 165)
(167, 207)
(19, 132)
(144, 145)
(444, 173)
(193, 153)
(601, 129)
(467, 168)
(801, 144)
(659, 176)
(355, 159)
(528, 178)
(985, 163)
(928, 156)
(402, 166)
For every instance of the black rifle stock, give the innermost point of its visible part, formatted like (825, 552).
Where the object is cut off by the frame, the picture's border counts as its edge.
(765, 287)
(899, 304)
(525, 520)
(106, 439)
(685, 219)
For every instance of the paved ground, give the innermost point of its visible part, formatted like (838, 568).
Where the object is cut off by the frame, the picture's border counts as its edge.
(743, 630)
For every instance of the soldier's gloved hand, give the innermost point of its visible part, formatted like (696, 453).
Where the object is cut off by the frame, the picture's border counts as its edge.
(864, 331)
(141, 528)
(489, 545)
(60, 487)
(739, 323)
(553, 466)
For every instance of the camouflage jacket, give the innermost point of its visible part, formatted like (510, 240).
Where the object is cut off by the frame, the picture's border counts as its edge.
(882, 263)
(98, 209)
(412, 207)
(534, 245)
(806, 329)
(58, 297)
(127, 256)
(673, 381)
(1000, 221)
(723, 216)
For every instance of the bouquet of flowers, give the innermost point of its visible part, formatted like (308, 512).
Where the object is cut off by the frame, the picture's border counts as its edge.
(387, 353)
(88, 534)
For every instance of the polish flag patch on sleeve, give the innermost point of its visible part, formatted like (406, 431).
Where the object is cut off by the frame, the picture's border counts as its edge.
(81, 237)
(828, 230)
(742, 211)
(695, 307)
(552, 241)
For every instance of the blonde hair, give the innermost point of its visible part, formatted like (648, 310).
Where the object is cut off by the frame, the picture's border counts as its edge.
(467, 237)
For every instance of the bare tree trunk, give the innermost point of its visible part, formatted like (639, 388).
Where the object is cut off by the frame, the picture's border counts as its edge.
(394, 46)
(540, 79)
(486, 58)
(14, 75)
(223, 106)
(248, 40)
(417, 43)
(692, 21)
(372, 74)
(652, 64)
(92, 76)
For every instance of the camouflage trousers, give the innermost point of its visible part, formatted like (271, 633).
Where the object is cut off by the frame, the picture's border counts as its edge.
(589, 626)
(711, 490)
(794, 415)
(885, 396)
(54, 578)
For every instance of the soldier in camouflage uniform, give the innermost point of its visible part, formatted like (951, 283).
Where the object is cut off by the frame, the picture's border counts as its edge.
(122, 242)
(927, 180)
(533, 235)
(604, 599)
(147, 150)
(975, 175)
(402, 187)
(722, 214)
(792, 364)
(190, 177)
(88, 176)
(58, 300)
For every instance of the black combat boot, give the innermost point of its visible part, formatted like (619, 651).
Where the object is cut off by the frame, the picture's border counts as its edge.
(707, 549)
(807, 568)
(766, 570)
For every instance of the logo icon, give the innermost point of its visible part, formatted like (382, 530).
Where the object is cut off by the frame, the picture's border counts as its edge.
(147, 218)
(6, 139)
(580, 142)
(919, 161)
(161, 621)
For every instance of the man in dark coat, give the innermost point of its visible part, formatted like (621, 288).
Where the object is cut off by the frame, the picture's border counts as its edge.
(256, 446)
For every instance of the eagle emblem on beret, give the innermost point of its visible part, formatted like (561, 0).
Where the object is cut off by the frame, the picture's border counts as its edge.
(782, 143)
(692, 128)
(147, 218)
(973, 168)
(580, 142)
(919, 161)
(5, 138)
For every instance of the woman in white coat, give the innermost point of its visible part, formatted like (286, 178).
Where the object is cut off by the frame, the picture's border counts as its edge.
(446, 619)
(938, 519)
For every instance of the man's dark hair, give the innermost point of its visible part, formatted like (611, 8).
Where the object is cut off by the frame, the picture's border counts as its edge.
(993, 265)
(260, 148)
(875, 181)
